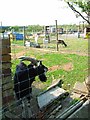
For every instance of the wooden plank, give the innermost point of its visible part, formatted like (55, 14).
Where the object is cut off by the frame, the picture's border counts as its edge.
(0, 98)
(6, 93)
(55, 83)
(7, 99)
(7, 86)
(6, 79)
(47, 110)
(6, 72)
(6, 65)
(80, 88)
(5, 58)
(5, 50)
(47, 97)
(5, 42)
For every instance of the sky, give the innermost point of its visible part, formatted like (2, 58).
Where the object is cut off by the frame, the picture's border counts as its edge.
(33, 12)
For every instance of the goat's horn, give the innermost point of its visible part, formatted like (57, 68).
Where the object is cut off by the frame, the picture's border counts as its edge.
(32, 60)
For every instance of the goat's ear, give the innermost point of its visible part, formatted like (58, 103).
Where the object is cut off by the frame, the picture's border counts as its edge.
(40, 62)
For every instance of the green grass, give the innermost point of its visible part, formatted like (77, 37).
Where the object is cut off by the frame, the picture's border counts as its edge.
(69, 77)
(73, 44)
(80, 63)
(18, 42)
(80, 45)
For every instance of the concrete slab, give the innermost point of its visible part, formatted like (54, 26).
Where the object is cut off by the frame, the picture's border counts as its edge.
(55, 83)
(80, 88)
(50, 95)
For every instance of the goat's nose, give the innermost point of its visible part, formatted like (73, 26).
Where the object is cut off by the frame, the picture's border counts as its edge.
(46, 69)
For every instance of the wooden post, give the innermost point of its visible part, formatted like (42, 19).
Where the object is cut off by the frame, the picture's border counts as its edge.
(83, 26)
(24, 36)
(5, 73)
(79, 30)
(56, 36)
(0, 81)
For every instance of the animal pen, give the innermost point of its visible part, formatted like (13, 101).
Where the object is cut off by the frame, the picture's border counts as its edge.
(48, 104)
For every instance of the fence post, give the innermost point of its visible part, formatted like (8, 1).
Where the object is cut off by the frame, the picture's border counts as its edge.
(5, 72)
(0, 80)
(56, 35)
(24, 38)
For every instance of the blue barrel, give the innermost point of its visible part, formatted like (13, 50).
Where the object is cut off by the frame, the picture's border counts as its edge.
(18, 36)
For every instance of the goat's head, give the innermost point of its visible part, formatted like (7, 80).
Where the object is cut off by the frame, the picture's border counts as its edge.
(38, 67)
(41, 70)
(25, 75)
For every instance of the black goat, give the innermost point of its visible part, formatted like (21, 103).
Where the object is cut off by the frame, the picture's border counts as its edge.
(62, 42)
(24, 77)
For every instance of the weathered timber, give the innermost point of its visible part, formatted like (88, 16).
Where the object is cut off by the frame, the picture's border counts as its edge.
(5, 50)
(80, 88)
(6, 58)
(6, 65)
(70, 110)
(5, 42)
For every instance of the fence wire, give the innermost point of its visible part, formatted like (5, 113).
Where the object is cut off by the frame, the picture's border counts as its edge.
(20, 108)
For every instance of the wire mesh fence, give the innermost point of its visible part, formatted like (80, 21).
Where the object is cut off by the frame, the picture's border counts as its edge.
(21, 108)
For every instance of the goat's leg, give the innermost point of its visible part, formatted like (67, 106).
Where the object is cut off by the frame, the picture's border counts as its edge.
(64, 44)
(29, 98)
(25, 111)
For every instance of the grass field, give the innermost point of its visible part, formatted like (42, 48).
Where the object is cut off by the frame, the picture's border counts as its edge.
(74, 44)
(69, 64)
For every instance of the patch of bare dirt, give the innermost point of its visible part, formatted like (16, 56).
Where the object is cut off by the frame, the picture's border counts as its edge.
(53, 68)
(14, 56)
(49, 50)
(17, 55)
(68, 67)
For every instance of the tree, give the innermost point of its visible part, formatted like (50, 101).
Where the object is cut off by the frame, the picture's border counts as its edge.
(16, 28)
(80, 7)
(35, 28)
